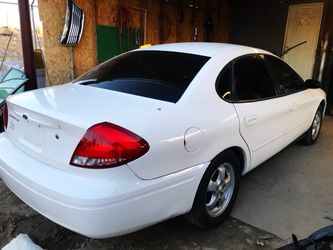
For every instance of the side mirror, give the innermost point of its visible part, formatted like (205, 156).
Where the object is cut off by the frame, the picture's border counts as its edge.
(312, 84)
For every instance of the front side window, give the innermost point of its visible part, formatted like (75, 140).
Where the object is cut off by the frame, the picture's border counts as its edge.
(289, 81)
(160, 75)
(252, 79)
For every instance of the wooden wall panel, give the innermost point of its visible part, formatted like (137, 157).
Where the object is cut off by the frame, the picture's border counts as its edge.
(106, 12)
(84, 54)
(200, 17)
(186, 29)
(63, 63)
(222, 24)
(168, 20)
(58, 59)
(153, 27)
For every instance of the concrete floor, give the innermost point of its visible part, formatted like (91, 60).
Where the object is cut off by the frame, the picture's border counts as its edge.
(293, 191)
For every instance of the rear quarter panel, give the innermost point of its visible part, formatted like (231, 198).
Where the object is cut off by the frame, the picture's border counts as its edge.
(318, 95)
(201, 108)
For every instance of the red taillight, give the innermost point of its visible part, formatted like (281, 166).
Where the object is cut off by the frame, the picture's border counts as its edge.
(5, 116)
(106, 145)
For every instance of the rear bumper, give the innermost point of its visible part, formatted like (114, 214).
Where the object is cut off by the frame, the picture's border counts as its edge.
(97, 203)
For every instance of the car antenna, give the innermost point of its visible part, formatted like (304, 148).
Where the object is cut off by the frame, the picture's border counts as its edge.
(293, 47)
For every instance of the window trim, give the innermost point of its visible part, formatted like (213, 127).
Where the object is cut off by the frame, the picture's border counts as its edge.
(234, 98)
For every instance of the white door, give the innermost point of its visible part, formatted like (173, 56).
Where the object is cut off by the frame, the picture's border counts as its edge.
(300, 102)
(303, 24)
(262, 114)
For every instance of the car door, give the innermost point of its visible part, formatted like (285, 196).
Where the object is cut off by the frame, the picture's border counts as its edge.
(262, 114)
(300, 102)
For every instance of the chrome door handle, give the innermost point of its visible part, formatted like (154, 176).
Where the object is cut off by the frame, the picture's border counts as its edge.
(250, 120)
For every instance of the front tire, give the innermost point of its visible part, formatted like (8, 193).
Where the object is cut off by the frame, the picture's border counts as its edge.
(312, 134)
(217, 191)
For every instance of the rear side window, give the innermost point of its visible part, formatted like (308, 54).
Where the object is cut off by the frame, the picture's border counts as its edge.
(159, 75)
(223, 85)
(289, 81)
(252, 79)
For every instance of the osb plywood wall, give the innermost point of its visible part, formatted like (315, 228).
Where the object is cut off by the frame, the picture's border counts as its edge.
(84, 54)
(166, 23)
(58, 59)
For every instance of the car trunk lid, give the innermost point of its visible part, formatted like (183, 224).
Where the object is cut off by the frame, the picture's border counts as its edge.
(49, 123)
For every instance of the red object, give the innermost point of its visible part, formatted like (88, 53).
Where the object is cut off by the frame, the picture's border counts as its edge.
(106, 145)
(5, 116)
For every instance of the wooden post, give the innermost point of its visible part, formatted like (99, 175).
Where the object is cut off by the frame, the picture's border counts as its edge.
(27, 45)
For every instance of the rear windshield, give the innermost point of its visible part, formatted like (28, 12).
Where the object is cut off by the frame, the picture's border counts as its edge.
(154, 74)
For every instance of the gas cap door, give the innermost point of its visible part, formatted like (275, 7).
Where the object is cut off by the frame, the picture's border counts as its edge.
(193, 139)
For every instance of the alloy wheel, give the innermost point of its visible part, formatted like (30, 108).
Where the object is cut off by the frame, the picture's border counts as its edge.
(220, 189)
(316, 125)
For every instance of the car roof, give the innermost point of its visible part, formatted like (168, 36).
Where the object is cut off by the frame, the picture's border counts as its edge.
(205, 48)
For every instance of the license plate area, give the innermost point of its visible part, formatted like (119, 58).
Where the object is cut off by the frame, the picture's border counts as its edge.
(31, 130)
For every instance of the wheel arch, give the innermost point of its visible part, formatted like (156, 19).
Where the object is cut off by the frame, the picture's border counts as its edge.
(241, 155)
(195, 215)
(323, 105)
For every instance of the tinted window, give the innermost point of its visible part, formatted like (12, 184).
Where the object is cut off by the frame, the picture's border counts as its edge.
(223, 85)
(289, 81)
(154, 74)
(252, 79)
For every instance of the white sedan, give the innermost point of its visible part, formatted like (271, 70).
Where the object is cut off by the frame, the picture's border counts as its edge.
(152, 134)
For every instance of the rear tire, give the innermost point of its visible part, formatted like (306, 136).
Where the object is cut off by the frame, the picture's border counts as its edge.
(217, 191)
(312, 134)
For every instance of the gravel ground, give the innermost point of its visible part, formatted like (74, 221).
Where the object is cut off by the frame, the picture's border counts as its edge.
(16, 218)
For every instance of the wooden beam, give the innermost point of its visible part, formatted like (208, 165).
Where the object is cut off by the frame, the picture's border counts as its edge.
(27, 45)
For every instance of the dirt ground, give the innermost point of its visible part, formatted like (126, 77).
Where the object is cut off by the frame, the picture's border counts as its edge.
(16, 218)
